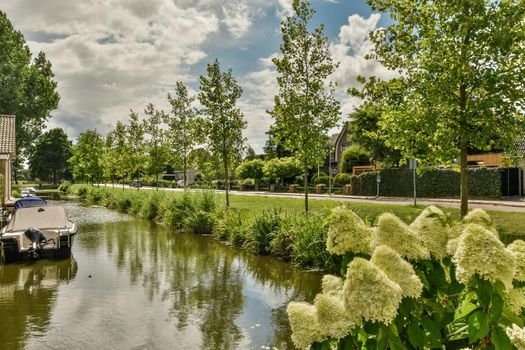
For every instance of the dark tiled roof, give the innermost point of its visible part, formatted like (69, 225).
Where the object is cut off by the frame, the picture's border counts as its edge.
(7, 135)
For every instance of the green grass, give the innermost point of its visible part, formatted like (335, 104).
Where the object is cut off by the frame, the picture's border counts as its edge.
(509, 223)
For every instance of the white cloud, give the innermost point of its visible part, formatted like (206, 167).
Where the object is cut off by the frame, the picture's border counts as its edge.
(350, 52)
(237, 19)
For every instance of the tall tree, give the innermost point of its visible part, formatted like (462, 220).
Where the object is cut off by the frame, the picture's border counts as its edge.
(49, 159)
(87, 157)
(218, 96)
(27, 88)
(274, 146)
(365, 127)
(135, 158)
(116, 149)
(462, 77)
(305, 108)
(184, 128)
(155, 144)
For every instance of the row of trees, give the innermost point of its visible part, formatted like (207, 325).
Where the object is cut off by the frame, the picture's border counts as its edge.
(178, 138)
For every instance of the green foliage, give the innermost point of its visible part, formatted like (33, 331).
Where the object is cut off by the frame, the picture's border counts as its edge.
(251, 169)
(305, 108)
(314, 177)
(462, 82)
(353, 156)
(323, 179)
(309, 242)
(431, 183)
(281, 168)
(87, 156)
(262, 231)
(135, 159)
(155, 145)
(365, 130)
(185, 129)
(342, 179)
(64, 186)
(49, 157)
(27, 88)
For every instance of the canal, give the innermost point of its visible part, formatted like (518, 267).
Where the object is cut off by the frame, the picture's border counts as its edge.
(133, 284)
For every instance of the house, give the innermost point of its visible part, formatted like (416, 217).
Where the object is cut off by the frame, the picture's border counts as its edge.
(338, 143)
(7, 152)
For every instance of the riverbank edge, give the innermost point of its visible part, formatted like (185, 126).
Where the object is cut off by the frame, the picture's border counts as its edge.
(289, 236)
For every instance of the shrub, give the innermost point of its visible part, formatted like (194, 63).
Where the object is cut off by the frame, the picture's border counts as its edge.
(251, 169)
(323, 179)
(200, 222)
(280, 168)
(318, 175)
(233, 227)
(353, 156)
(64, 186)
(151, 206)
(342, 179)
(178, 210)
(248, 182)
(262, 230)
(82, 191)
(283, 238)
(309, 247)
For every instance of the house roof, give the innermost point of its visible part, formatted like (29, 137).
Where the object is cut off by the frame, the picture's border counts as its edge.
(7, 135)
(334, 138)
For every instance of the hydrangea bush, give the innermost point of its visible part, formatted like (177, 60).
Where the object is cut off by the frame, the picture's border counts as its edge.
(433, 284)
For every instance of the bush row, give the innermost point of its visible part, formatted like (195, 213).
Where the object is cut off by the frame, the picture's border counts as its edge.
(431, 183)
(291, 236)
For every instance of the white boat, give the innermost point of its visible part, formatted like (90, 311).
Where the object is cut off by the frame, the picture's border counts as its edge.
(37, 232)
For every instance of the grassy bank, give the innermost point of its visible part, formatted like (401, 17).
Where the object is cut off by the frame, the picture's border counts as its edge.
(275, 226)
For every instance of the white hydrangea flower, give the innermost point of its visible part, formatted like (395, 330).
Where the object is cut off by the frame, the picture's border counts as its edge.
(303, 321)
(334, 321)
(398, 270)
(332, 285)
(478, 216)
(452, 246)
(369, 294)
(516, 300)
(431, 231)
(480, 252)
(393, 232)
(347, 233)
(518, 249)
(517, 336)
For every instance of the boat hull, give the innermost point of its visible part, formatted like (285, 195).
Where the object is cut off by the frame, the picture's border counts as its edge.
(10, 252)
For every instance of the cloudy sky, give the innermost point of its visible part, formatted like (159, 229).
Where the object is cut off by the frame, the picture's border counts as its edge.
(110, 56)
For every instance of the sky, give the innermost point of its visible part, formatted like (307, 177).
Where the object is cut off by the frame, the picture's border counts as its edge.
(110, 56)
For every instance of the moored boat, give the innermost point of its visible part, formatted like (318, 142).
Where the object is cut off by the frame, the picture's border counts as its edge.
(36, 232)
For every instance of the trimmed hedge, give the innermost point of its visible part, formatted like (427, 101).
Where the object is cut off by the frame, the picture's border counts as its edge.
(431, 183)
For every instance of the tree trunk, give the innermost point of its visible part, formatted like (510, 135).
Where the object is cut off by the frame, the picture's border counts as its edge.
(157, 181)
(306, 189)
(184, 173)
(227, 184)
(464, 178)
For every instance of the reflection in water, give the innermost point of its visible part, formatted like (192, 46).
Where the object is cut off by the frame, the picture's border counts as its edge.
(151, 288)
(28, 293)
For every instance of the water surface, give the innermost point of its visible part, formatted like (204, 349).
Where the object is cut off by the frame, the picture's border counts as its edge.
(132, 284)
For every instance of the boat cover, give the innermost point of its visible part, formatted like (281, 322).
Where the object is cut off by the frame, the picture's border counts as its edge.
(46, 217)
(29, 202)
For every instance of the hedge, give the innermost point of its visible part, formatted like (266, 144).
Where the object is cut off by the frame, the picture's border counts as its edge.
(431, 183)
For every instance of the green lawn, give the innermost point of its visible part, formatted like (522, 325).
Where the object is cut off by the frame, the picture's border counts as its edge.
(509, 223)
